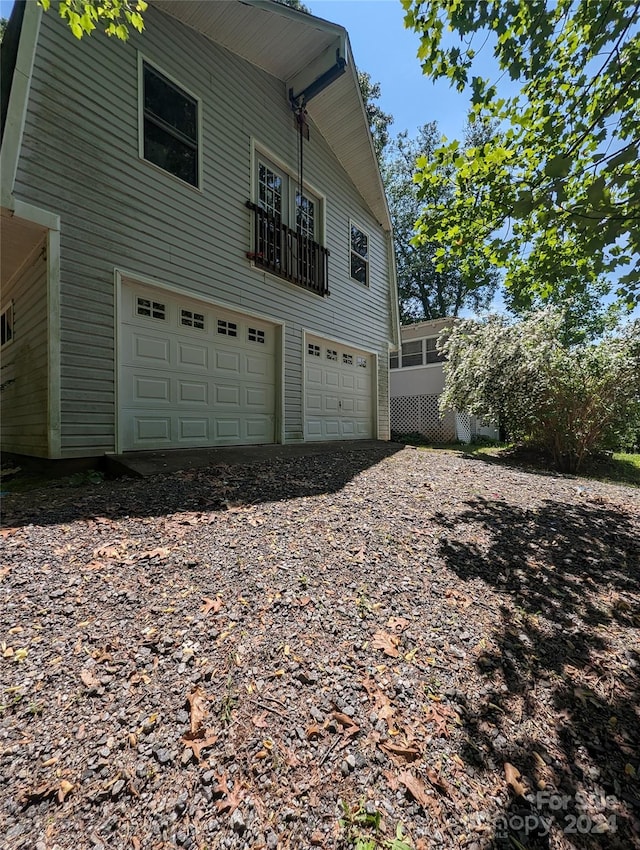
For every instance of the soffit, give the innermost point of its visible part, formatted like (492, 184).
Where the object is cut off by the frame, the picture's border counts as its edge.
(282, 41)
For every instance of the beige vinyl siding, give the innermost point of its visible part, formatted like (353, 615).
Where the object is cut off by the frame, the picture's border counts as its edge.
(24, 360)
(80, 159)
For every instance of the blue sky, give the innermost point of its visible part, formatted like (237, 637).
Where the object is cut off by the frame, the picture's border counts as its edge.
(387, 51)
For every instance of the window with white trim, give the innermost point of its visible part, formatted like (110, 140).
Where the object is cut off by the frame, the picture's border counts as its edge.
(359, 254)
(431, 350)
(332, 354)
(6, 325)
(192, 320)
(151, 309)
(227, 328)
(347, 359)
(170, 125)
(362, 362)
(255, 335)
(412, 353)
(416, 352)
(313, 350)
(279, 195)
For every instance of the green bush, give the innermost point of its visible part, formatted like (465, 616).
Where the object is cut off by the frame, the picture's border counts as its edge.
(568, 399)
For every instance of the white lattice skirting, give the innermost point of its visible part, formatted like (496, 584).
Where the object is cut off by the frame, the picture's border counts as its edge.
(419, 414)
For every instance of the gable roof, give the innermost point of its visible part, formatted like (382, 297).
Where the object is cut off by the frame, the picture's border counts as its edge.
(285, 43)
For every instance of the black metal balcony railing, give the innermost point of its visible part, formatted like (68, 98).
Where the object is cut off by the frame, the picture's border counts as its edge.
(287, 253)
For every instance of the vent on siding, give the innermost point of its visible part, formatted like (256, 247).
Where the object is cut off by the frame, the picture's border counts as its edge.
(256, 335)
(192, 320)
(151, 309)
(227, 328)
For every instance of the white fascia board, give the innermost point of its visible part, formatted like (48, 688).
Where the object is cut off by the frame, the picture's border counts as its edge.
(18, 101)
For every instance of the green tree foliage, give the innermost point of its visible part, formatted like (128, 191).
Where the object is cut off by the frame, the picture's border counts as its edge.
(568, 399)
(566, 176)
(296, 4)
(426, 292)
(3, 26)
(379, 120)
(114, 16)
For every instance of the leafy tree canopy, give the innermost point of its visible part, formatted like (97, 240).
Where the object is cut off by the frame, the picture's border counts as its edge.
(379, 120)
(114, 16)
(426, 292)
(565, 177)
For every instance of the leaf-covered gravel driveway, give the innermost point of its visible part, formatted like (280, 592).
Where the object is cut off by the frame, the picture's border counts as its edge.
(387, 648)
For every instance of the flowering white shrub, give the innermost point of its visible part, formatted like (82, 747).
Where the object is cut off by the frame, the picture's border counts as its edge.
(567, 399)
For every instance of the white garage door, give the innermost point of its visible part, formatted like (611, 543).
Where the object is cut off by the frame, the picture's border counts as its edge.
(192, 374)
(338, 391)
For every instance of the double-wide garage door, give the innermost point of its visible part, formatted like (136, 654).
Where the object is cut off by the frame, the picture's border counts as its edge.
(192, 374)
(338, 391)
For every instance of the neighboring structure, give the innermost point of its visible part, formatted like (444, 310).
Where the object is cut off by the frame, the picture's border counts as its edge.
(417, 381)
(196, 246)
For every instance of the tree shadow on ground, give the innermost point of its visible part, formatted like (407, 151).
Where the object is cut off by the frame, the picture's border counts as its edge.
(603, 467)
(561, 665)
(207, 489)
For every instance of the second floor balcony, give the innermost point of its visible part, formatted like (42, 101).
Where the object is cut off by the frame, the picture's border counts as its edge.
(288, 253)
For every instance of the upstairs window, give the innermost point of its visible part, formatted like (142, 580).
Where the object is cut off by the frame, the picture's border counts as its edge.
(170, 126)
(359, 255)
(412, 353)
(433, 355)
(416, 352)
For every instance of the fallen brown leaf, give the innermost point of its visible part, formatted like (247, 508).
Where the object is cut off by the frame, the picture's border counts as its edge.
(200, 741)
(438, 781)
(89, 680)
(513, 776)
(64, 789)
(198, 706)
(350, 727)
(232, 799)
(161, 552)
(383, 704)
(397, 624)
(438, 714)
(416, 787)
(400, 753)
(387, 643)
(260, 720)
(211, 605)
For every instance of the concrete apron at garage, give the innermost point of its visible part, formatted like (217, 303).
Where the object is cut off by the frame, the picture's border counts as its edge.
(144, 464)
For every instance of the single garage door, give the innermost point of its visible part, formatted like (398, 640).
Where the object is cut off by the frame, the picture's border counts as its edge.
(192, 374)
(338, 391)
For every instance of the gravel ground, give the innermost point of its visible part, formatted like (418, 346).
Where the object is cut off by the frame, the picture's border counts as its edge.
(368, 649)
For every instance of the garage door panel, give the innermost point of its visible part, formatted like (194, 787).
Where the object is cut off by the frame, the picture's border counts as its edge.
(151, 389)
(192, 374)
(193, 429)
(150, 429)
(190, 356)
(257, 367)
(227, 394)
(190, 392)
(147, 348)
(257, 397)
(227, 361)
(338, 391)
